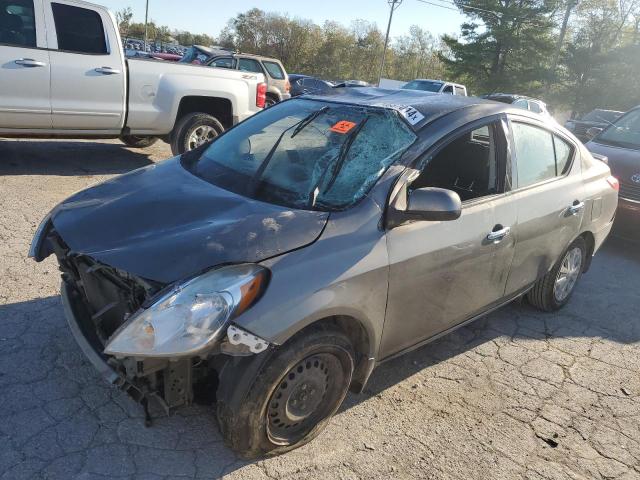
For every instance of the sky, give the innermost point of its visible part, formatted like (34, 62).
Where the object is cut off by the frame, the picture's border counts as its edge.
(210, 16)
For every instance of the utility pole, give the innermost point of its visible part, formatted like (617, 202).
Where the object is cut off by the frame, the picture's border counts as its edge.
(393, 4)
(146, 16)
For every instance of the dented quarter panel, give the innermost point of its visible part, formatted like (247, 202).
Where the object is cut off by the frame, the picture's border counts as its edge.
(164, 224)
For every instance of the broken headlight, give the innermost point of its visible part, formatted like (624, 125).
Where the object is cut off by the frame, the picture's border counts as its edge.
(191, 316)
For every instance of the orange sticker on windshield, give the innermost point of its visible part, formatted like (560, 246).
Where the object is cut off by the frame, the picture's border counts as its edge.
(342, 126)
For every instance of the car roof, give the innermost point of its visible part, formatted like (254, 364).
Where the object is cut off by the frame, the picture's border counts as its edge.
(430, 105)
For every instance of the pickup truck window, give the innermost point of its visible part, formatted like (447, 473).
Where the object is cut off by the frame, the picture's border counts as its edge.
(249, 65)
(79, 30)
(274, 70)
(225, 62)
(460, 91)
(17, 23)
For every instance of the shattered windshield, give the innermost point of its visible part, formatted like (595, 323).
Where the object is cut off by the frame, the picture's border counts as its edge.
(305, 154)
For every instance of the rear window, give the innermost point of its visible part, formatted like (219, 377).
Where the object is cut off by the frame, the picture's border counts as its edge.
(17, 23)
(274, 70)
(79, 30)
(423, 85)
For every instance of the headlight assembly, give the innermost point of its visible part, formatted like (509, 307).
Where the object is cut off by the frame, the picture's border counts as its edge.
(190, 317)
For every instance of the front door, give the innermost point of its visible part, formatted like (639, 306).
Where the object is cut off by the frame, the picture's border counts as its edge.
(87, 69)
(443, 273)
(24, 67)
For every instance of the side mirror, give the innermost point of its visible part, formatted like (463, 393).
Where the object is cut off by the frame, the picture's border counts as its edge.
(426, 204)
(593, 131)
(431, 203)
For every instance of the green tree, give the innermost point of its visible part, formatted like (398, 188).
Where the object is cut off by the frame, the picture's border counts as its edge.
(123, 19)
(505, 46)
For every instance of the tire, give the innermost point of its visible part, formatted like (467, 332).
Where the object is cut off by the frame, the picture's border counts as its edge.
(291, 398)
(548, 294)
(194, 130)
(138, 142)
(270, 101)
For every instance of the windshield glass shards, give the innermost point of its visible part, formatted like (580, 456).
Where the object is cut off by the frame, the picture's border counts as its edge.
(305, 154)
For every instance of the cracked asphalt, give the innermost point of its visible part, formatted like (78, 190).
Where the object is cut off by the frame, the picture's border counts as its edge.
(518, 394)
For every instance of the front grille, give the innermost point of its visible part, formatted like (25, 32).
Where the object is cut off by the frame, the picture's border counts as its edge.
(629, 191)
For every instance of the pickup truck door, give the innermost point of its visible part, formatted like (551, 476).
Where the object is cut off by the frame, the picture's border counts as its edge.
(24, 66)
(550, 196)
(442, 273)
(88, 78)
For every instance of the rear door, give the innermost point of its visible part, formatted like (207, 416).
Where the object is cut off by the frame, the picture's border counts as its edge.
(88, 79)
(550, 197)
(24, 66)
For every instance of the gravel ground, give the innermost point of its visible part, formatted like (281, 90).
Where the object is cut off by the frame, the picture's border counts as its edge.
(518, 394)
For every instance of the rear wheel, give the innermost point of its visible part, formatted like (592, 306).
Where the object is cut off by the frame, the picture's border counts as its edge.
(194, 130)
(553, 290)
(138, 142)
(293, 396)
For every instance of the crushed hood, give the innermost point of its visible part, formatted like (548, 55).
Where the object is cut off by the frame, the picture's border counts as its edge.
(162, 223)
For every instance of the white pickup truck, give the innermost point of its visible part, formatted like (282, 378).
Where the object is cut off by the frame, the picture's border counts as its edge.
(63, 74)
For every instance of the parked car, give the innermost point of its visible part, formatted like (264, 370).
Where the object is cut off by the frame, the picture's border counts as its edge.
(520, 101)
(597, 118)
(351, 84)
(69, 78)
(301, 84)
(316, 240)
(277, 82)
(619, 143)
(436, 86)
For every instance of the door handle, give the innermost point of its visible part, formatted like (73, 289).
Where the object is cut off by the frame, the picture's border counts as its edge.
(496, 236)
(107, 70)
(29, 62)
(576, 208)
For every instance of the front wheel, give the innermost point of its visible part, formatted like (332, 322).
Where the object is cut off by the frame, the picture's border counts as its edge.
(292, 398)
(194, 130)
(553, 291)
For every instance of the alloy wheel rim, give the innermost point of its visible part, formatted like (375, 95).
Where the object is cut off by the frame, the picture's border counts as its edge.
(201, 135)
(567, 274)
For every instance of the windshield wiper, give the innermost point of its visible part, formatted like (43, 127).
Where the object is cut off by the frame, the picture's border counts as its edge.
(340, 160)
(255, 180)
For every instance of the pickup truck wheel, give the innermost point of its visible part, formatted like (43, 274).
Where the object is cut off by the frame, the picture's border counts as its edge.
(194, 130)
(292, 398)
(553, 291)
(138, 142)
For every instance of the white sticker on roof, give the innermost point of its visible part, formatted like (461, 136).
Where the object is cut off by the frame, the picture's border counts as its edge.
(412, 115)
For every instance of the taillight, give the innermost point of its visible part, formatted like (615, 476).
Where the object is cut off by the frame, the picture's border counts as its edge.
(261, 95)
(613, 182)
(287, 86)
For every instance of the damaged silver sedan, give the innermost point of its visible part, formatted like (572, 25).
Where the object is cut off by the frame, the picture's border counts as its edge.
(268, 272)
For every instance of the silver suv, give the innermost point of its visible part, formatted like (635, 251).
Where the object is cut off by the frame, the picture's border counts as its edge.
(315, 240)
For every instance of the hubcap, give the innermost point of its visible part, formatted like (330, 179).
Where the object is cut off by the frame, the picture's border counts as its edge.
(201, 135)
(305, 395)
(568, 274)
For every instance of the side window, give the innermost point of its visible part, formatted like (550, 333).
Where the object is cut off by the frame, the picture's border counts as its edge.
(274, 70)
(535, 107)
(448, 89)
(472, 165)
(540, 154)
(249, 65)
(17, 23)
(460, 91)
(522, 103)
(226, 62)
(79, 30)
(564, 153)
